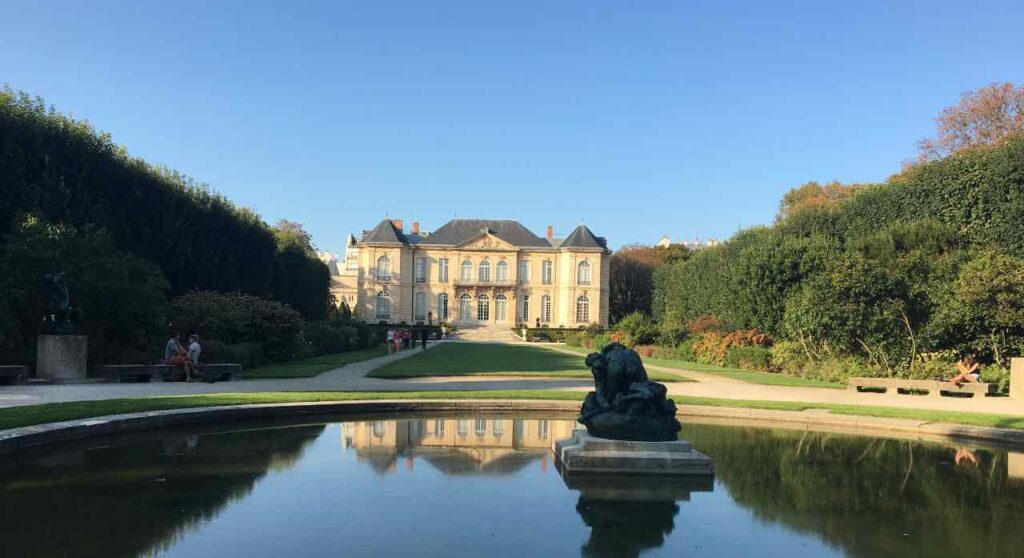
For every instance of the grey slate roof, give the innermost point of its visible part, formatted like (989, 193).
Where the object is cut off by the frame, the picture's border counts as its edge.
(457, 231)
(384, 233)
(581, 237)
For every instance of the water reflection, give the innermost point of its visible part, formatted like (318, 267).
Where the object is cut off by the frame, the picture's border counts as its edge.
(628, 514)
(455, 446)
(472, 486)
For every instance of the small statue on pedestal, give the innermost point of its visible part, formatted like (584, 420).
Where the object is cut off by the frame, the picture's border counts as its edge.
(57, 320)
(625, 404)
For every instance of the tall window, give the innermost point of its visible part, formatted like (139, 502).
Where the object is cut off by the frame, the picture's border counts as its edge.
(501, 272)
(546, 272)
(483, 308)
(442, 270)
(419, 306)
(545, 308)
(582, 309)
(498, 428)
(465, 308)
(420, 270)
(466, 271)
(484, 272)
(439, 428)
(442, 307)
(480, 427)
(524, 271)
(526, 308)
(500, 307)
(383, 306)
(542, 429)
(462, 427)
(383, 268)
(583, 273)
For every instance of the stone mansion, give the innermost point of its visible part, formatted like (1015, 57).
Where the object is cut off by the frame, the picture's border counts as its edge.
(471, 271)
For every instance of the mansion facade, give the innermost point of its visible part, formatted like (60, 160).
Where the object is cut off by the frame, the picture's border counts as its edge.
(472, 271)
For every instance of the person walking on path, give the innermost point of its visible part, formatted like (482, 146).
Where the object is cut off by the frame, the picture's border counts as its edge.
(389, 338)
(423, 338)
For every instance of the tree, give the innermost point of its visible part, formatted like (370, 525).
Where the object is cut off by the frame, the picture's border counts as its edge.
(293, 234)
(813, 195)
(982, 117)
(631, 281)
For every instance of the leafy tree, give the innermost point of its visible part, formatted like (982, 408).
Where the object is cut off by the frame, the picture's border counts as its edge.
(985, 116)
(813, 195)
(631, 281)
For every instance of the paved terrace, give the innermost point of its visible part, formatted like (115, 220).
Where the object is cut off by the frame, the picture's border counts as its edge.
(352, 378)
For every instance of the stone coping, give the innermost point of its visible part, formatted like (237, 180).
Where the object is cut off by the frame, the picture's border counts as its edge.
(32, 437)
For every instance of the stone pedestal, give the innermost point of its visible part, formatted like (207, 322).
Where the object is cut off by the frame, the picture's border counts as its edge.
(1017, 379)
(584, 453)
(61, 357)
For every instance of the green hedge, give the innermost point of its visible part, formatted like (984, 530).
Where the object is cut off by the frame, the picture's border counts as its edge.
(63, 171)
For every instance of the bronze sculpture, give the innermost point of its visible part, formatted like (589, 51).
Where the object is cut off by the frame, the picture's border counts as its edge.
(625, 404)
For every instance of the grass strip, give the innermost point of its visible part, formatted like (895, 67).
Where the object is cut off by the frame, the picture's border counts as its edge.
(495, 359)
(309, 367)
(15, 417)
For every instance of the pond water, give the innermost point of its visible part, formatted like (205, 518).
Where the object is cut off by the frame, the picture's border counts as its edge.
(487, 486)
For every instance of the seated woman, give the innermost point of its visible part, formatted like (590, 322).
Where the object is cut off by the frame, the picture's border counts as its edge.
(176, 355)
(969, 372)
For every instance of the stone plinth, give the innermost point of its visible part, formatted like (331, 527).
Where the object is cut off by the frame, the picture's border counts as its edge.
(1017, 379)
(584, 453)
(61, 357)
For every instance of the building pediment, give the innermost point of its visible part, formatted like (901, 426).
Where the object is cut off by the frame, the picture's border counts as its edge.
(486, 241)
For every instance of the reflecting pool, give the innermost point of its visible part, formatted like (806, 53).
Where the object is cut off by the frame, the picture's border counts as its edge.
(487, 486)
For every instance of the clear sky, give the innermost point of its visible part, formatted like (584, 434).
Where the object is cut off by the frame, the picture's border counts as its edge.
(640, 117)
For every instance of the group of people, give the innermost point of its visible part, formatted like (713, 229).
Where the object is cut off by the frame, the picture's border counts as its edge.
(175, 354)
(398, 339)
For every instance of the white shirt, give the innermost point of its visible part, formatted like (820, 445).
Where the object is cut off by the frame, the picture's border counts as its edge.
(193, 351)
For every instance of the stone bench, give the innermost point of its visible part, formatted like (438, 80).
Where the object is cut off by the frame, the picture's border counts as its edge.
(12, 373)
(165, 372)
(894, 386)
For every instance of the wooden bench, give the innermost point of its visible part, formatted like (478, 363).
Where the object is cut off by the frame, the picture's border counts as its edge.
(165, 372)
(894, 386)
(12, 373)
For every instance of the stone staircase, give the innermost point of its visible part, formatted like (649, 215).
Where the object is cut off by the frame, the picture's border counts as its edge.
(486, 333)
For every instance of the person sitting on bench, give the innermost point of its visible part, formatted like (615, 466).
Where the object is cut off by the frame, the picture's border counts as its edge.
(176, 355)
(969, 372)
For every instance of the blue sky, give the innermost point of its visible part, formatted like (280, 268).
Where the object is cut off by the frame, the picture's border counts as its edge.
(640, 118)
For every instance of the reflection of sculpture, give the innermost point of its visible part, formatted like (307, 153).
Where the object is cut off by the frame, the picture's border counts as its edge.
(57, 319)
(628, 514)
(625, 405)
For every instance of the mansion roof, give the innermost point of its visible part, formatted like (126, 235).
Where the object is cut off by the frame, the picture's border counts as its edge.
(460, 231)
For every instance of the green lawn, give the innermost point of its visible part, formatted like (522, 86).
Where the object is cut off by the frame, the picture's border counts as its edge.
(310, 367)
(765, 378)
(14, 417)
(460, 359)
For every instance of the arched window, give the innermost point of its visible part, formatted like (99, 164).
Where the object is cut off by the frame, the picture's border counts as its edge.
(483, 308)
(583, 273)
(501, 272)
(545, 308)
(465, 308)
(466, 271)
(383, 268)
(419, 306)
(484, 272)
(442, 307)
(383, 306)
(582, 309)
(500, 307)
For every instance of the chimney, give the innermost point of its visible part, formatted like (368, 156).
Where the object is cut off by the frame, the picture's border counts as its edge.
(550, 232)
(399, 224)
(416, 227)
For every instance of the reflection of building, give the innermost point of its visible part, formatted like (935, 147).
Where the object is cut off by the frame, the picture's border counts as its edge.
(473, 271)
(455, 445)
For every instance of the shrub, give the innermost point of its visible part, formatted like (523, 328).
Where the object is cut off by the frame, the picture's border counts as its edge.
(574, 338)
(637, 329)
(748, 358)
(239, 318)
(324, 338)
(788, 357)
(249, 355)
(645, 351)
